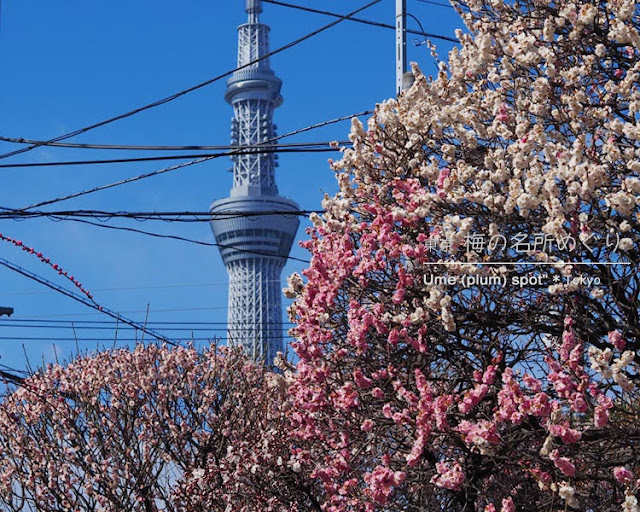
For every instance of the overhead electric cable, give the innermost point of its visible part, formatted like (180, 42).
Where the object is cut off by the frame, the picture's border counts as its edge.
(185, 164)
(321, 124)
(10, 321)
(108, 340)
(195, 87)
(143, 232)
(73, 145)
(430, 2)
(85, 301)
(175, 216)
(183, 239)
(10, 377)
(421, 28)
(112, 327)
(145, 311)
(118, 183)
(360, 20)
(119, 289)
(11, 369)
(169, 157)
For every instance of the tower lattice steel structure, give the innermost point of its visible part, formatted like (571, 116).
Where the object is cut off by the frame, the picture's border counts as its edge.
(254, 247)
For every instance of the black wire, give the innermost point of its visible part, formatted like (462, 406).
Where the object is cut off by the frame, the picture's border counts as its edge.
(195, 87)
(53, 340)
(360, 20)
(168, 157)
(7, 376)
(115, 339)
(117, 183)
(112, 322)
(168, 310)
(186, 164)
(175, 216)
(419, 24)
(430, 2)
(158, 148)
(129, 288)
(11, 369)
(105, 328)
(189, 240)
(85, 301)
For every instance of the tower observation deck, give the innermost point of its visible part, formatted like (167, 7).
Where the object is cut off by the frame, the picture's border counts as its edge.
(254, 247)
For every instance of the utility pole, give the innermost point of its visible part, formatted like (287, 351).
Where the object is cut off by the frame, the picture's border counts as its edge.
(404, 79)
(401, 43)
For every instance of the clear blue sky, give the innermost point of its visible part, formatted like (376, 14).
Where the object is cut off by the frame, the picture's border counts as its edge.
(68, 64)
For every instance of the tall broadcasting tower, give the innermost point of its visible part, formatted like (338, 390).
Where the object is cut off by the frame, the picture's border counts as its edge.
(254, 247)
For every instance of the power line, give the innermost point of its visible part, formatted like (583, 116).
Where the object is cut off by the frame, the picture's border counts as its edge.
(11, 377)
(112, 322)
(112, 327)
(170, 157)
(16, 214)
(321, 124)
(111, 340)
(164, 310)
(184, 239)
(186, 164)
(11, 369)
(159, 148)
(128, 288)
(170, 216)
(189, 240)
(117, 183)
(85, 301)
(195, 87)
(419, 24)
(360, 20)
(104, 340)
(430, 2)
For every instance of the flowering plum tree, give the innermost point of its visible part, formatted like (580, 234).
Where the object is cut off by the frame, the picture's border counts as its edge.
(150, 430)
(468, 329)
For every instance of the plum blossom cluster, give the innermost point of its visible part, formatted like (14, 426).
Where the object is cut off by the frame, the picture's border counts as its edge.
(48, 262)
(150, 429)
(495, 398)
(409, 394)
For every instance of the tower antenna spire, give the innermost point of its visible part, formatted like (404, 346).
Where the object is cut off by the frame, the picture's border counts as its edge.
(253, 8)
(254, 247)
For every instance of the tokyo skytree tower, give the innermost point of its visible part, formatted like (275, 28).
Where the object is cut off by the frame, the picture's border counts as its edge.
(254, 248)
